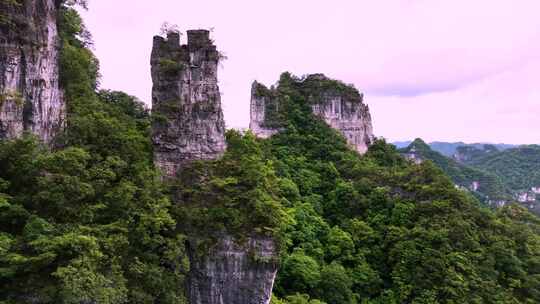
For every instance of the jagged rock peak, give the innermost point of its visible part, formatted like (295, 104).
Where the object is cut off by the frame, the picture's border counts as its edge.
(340, 105)
(186, 101)
(30, 97)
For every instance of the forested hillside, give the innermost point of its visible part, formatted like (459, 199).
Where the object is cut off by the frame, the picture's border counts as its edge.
(380, 230)
(482, 183)
(91, 220)
(495, 177)
(467, 153)
(88, 222)
(519, 167)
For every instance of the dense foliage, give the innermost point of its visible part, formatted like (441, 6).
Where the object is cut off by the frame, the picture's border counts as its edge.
(519, 167)
(499, 173)
(490, 186)
(377, 229)
(6, 20)
(238, 194)
(92, 222)
(466, 153)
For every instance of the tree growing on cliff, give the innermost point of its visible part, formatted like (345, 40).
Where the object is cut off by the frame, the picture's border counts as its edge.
(167, 28)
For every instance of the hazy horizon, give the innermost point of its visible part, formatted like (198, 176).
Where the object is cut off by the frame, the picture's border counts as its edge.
(442, 71)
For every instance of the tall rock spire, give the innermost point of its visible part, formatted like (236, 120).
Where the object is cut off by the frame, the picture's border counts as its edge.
(30, 97)
(186, 102)
(188, 125)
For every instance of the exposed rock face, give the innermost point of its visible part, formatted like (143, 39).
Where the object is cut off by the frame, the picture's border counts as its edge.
(186, 101)
(339, 105)
(234, 273)
(30, 97)
(189, 126)
(413, 156)
(264, 108)
(350, 117)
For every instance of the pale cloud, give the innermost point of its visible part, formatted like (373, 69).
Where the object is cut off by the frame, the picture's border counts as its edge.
(448, 70)
(503, 107)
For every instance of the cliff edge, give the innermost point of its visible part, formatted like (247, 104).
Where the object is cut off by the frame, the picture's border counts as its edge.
(30, 97)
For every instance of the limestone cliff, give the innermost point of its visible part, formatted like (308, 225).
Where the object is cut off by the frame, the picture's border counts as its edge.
(188, 125)
(264, 111)
(339, 105)
(186, 102)
(233, 272)
(30, 97)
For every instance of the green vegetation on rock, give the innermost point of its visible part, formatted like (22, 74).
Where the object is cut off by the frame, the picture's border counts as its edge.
(170, 66)
(13, 96)
(93, 222)
(378, 229)
(90, 222)
(317, 84)
(237, 194)
(7, 5)
(493, 173)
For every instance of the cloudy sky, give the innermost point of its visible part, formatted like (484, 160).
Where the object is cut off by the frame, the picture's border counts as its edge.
(441, 70)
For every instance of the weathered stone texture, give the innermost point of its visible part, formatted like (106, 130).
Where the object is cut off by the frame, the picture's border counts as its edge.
(350, 117)
(342, 109)
(234, 273)
(186, 102)
(30, 97)
(263, 104)
(188, 125)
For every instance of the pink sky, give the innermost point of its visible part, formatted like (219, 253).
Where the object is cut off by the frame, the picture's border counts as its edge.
(441, 70)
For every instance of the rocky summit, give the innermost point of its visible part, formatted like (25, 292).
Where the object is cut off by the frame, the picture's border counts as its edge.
(186, 102)
(341, 106)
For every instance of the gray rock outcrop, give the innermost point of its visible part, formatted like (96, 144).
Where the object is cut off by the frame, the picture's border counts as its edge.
(30, 97)
(232, 272)
(264, 111)
(339, 105)
(188, 125)
(186, 102)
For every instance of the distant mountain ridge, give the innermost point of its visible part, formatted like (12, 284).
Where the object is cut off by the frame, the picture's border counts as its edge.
(495, 174)
(450, 148)
(519, 167)
(485, 186)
